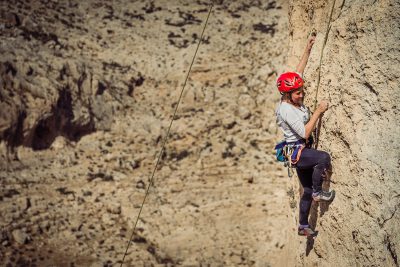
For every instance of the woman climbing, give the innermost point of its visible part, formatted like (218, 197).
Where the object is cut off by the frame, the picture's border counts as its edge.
(294, 120)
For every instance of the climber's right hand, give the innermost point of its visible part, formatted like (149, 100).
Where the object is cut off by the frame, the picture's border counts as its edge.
(323, 106)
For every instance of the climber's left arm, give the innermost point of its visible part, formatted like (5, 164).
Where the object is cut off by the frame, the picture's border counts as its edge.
(304, 59)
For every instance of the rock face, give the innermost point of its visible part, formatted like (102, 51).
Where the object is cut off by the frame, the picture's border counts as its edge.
(57, 74)
(87, 91)
(360, 79)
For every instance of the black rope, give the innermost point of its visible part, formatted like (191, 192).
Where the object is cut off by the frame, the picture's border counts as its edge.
(166, 137)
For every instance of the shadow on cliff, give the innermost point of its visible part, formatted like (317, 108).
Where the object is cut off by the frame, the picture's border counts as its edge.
(58, 122)
(323, 207)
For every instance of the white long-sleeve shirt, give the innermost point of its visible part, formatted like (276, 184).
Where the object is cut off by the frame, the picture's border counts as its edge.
(292, 121)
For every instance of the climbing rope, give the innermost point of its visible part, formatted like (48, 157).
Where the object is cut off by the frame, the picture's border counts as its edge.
(166, 137)
(328, 27)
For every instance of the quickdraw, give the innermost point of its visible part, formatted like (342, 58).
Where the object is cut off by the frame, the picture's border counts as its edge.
(289, 154)
(292, 153)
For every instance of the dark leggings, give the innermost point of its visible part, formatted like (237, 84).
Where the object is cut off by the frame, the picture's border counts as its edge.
(311, 169)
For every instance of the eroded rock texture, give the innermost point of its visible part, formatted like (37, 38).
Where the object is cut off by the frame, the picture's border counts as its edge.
(88, 89)
(360, 78)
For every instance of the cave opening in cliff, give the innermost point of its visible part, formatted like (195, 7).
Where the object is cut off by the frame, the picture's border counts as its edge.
(60, 122)
(44, 134)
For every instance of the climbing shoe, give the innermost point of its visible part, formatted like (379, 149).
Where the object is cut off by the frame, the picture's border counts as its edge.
(324, 196)
(306, 231)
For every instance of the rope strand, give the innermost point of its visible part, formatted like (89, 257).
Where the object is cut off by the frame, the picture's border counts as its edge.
(328, 27)
(166, 137)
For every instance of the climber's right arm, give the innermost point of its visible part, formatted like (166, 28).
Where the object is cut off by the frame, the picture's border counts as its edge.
(310, 126)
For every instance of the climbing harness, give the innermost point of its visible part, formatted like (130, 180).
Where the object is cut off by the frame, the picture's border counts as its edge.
(167, 135)
(289, 154)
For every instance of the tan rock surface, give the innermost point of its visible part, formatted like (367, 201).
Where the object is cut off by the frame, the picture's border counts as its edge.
(88, 89)
(87, 92)
(359, 77)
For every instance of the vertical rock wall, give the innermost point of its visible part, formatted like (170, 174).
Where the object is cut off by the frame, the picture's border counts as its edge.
(360, 78)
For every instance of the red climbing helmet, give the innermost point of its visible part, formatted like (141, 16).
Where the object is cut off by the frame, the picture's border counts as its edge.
(289, 81)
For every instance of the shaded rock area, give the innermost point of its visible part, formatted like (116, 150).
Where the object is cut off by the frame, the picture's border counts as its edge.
(360, 79)
(54, 78)
(87, 91)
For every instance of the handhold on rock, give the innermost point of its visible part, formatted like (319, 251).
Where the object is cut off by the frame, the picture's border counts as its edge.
(134, 164)
(140, 185)
(114, 208)
(20, 236)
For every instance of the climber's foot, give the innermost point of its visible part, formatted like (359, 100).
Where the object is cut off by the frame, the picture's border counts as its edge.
(324, 196)
(306, 231)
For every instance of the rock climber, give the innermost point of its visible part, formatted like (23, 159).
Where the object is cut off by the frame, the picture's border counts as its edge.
(294, 119)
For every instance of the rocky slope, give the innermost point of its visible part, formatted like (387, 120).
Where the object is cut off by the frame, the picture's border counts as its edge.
(359, 77)
(87, 91)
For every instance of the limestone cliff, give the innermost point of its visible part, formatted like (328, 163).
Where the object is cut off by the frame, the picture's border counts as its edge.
(360, 79)
(88, 88)
(87, 91)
